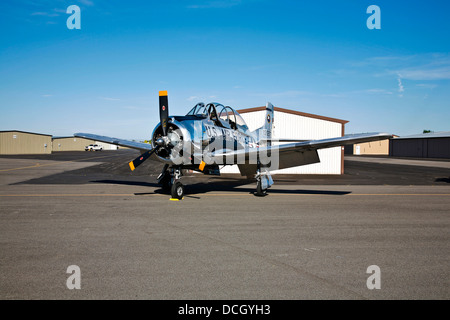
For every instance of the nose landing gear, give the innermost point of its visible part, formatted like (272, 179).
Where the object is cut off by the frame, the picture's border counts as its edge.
(170, 181)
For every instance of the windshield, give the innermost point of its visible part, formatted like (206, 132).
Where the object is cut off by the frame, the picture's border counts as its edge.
(198, 110)
(226, 115)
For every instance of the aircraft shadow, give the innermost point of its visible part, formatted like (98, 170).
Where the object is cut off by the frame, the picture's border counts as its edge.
(225, 186)
(127, 183)
(447, 180)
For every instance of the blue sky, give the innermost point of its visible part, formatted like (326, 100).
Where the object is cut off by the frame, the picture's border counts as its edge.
(312, 56)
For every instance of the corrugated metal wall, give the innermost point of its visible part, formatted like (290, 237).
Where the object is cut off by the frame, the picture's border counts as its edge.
(439, 148)
(77, 144)
(375, 147)
(420, 148)
(15, 142)
(70, 144)
(290, 126)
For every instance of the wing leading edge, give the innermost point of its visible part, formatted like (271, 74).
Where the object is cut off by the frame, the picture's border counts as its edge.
(142, 147)
(289, 154)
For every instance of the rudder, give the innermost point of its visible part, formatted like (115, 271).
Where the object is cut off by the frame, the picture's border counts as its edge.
(266, 131)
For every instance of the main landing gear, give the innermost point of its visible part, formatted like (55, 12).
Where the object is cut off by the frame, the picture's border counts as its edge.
(263, 182)
(177, 190)
(170, 181)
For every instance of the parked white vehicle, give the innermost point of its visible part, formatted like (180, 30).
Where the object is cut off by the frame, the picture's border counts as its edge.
(93, 147)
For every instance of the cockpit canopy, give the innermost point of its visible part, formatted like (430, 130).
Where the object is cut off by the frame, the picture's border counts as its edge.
(222, 116)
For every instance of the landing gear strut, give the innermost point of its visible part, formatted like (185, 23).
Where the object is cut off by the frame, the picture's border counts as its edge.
(263, 182)
(170, 180)
(260, 192)
(177, 190)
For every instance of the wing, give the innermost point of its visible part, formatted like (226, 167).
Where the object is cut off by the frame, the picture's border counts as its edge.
(142, 147)
(297, 153)
(339, 141)
(285, 140)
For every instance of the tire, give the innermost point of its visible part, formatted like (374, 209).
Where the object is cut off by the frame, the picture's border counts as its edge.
(166, 183)
(259, 191)
(177, 190)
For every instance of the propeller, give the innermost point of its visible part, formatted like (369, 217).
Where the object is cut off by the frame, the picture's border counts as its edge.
(164, 117)
(163, 111)
(138, 161)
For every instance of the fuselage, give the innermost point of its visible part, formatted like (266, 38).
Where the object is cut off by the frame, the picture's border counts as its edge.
(196, 133)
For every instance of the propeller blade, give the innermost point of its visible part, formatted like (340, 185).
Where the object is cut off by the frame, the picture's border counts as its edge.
(138, 161)
(163, 110)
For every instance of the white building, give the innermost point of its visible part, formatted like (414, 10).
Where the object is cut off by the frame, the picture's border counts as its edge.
(290, 124)
(77, 144)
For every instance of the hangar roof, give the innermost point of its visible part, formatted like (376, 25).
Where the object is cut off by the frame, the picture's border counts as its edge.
(298, 113)
(442, 134)
(63, 137)
(40, 134)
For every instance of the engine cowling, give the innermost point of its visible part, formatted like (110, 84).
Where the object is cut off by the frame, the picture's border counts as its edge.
(170, 146)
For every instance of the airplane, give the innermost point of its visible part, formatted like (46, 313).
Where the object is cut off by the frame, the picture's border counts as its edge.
(211, 135)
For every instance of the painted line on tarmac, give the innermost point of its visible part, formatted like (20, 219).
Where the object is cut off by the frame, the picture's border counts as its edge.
(55, 162)
(340, 195)
(212, 194)
(398, 194)
(69, 195)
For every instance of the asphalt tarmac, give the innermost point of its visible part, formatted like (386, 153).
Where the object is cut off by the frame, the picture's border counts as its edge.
(312, 237)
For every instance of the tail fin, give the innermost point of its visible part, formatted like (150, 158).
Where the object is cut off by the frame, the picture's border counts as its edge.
(268, 124)
(265, 132)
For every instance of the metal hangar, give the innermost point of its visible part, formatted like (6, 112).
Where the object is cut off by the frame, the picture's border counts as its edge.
(291, 124)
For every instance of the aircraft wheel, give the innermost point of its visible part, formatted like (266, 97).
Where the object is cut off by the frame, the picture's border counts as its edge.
(166, 186)
(166, 183)
(177, 191)
(259, 191)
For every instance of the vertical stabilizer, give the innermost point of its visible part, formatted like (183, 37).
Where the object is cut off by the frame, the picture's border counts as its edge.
(266, 131)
